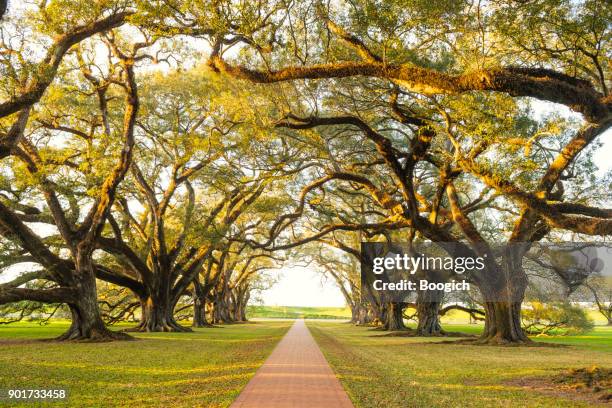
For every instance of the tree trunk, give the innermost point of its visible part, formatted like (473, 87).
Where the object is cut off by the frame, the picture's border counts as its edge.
(503, 323)
(199, 306)
(429, 319)
(241, 299)
(366, 315)
(394, 317)
(504, 294)
(428, 307)
(199, 313)
(221, 311)
(242, 316)
(210, 311)
(244, 305)
(361, 314)
(380, 314)
(355, 309)
(87, 323)
(607, 315)
(158, 316)
(238, 314)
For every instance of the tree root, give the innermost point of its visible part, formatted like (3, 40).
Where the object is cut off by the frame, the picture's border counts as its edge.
(94, 336)
(145, 327)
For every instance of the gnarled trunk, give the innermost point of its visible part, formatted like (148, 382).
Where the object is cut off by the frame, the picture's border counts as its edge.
(158, 316)
(87, 323)
(428, 307)
(366, 315)
(360, 314)
(355, 311)
(503, 323)
(199, 313)
(221, 311)
(199, 306)
(238, 312)
(241, 300)
(429, 319)
(394, 317)
(504, 294)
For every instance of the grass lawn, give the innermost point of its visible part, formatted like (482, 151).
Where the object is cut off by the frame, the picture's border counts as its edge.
(206, 368)
(296, 312)
(416, 372)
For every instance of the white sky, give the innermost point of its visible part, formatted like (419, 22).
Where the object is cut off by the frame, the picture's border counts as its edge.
(302, 286)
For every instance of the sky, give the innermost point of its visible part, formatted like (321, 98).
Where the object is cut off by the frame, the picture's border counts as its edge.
(302, 286)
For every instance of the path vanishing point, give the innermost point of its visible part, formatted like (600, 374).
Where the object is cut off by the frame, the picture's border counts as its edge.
(295, 375)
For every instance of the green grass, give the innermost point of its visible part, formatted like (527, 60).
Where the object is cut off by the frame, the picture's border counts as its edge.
(296, 312)
(460, 317)
(598, 339)
(206, 368)
(416, 372)
(210, 366)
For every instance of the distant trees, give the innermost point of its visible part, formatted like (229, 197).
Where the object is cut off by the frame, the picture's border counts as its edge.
(602, 296)
(456, 115)
(555, 318)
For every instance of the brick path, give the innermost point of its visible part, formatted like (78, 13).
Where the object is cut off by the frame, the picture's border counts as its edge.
(295, 375)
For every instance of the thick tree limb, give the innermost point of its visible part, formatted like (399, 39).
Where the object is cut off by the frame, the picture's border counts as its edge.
(463, 221)
(12, 227)
(541, 84)
(24, 278)
(574, 208)
(15, 133)
(549, 213)
(55, 295)
(48, 67)
(96, 218)
(476, 314)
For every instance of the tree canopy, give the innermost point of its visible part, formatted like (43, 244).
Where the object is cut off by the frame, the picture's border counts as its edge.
(178, 148)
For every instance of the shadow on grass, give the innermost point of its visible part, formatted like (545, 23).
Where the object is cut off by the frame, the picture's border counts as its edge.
(410, 332)
(475, 341)
(592, 384)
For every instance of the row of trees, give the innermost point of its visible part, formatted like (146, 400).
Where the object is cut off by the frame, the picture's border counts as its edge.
(311, 124)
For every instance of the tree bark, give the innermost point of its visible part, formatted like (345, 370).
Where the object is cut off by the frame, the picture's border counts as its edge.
(504, 294)
(158, 315)
(87, 323)
(199, 305)
(221, 311)
(394, 317)
(199, 312)
(428, 308)
(429, 319)
(503, 324)
(241, 300)
(360, 314)
(355, 311)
